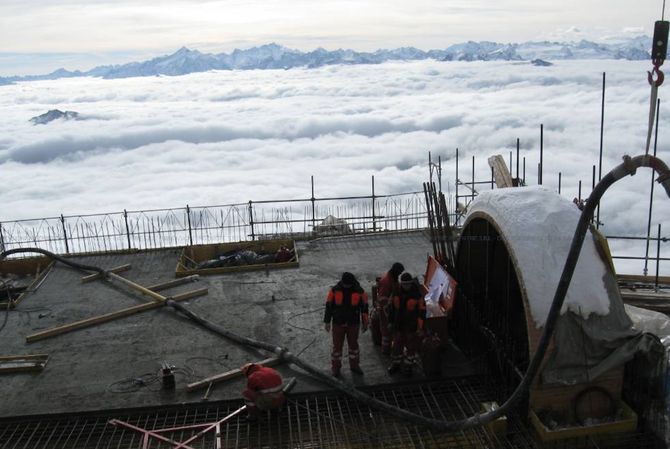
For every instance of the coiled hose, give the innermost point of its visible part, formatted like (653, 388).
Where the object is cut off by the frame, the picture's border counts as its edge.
(628, 167)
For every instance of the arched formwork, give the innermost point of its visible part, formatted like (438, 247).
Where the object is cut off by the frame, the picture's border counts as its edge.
(494, 315)
(490, 314)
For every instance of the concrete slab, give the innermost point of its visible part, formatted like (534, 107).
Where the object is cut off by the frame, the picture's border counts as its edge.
(114, 365)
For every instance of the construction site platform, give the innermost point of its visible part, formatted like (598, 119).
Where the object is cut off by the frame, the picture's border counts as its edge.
(115, 365)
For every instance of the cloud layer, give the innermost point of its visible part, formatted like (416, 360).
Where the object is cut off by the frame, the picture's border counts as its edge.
(223, 137)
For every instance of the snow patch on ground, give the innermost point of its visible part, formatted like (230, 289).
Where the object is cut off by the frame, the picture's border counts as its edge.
(538, 226)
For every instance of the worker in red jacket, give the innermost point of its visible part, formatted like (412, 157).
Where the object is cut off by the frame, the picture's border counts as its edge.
(264, 389)
(386, 286)
(407, 314)
(347, 309)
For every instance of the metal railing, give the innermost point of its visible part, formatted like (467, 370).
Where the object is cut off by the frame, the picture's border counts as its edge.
(253, 220)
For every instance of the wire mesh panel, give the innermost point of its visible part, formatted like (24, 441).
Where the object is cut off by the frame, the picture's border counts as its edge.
(307, 421)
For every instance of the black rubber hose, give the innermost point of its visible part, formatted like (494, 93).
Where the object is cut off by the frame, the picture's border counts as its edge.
(628, 167)
(61, 259)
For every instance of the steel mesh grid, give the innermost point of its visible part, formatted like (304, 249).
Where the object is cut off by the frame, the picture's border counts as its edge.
(327, 420)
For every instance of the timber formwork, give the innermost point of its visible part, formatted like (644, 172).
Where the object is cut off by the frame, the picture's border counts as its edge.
(326, 420)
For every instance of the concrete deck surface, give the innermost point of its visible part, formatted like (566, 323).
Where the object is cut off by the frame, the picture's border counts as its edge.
(86, 366)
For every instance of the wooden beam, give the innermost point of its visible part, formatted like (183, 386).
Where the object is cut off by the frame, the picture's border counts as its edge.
(228, 375)
(500, 172)
(173, 283)
(137, 287)
(111, 316)
(632, 278)
(93, 277)
(23, 363)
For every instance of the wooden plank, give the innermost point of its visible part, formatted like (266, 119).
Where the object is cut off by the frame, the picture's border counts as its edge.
(173, 283)
(659, 302)
(650, 280)
(228, 375)
(500, 171)
(646, 295)
(137, 287)
(93, 277)
(110, 316)
(239, 269)
(23, 363)
(24, 357)
(25, 267)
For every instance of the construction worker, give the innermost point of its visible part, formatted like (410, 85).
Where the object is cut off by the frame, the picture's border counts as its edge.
(264, 389)
(386, 286)
(347, 308)
(407, 313)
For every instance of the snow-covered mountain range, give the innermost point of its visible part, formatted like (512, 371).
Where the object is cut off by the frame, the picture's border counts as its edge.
(273, 56)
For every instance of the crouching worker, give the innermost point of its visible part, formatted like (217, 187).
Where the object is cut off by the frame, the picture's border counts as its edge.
(347, 308)
(264, 389)
(407, 313)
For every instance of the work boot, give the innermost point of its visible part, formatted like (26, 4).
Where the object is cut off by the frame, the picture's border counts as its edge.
(394, 368)
(356, 370)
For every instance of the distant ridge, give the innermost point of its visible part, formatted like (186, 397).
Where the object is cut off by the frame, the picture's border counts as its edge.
(54, 114)
(274, 56)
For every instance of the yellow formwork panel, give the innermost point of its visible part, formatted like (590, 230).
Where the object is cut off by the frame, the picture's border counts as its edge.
(30, 266)
(627, 424)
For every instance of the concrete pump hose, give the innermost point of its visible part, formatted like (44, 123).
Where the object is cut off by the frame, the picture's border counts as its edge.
(628, 167)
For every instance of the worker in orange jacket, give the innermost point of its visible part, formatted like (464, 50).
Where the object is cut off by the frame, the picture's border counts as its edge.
(264, 389)
(347, 309)
(386, 287)
(407, 313)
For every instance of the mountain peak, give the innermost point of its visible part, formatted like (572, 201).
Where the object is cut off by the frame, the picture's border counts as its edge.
(276, 56)
(185, 51)
(54, 114)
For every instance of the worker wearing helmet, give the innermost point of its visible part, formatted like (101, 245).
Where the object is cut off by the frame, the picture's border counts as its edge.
(407, 314)
(386, 287)
(347, 309)
(264, 389)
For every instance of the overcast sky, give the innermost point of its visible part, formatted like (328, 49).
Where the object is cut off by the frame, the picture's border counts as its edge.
(37, 36)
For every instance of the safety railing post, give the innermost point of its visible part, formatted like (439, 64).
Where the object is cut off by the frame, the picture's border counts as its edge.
(125, 219)
(374, 217)
(190, 230)
(62, 221)
(658, 256)
(251, 220)
(457, 181)
(313, 207)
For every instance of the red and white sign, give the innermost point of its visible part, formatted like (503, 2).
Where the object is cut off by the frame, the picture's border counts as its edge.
(441, 289)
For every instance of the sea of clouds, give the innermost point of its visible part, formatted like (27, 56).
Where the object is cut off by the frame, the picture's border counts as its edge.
(233, 136)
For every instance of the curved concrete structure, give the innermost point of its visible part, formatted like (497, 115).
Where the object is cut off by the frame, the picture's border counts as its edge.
(510, 257)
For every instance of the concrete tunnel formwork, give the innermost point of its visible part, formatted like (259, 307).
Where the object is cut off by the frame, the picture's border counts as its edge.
(495, 314)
